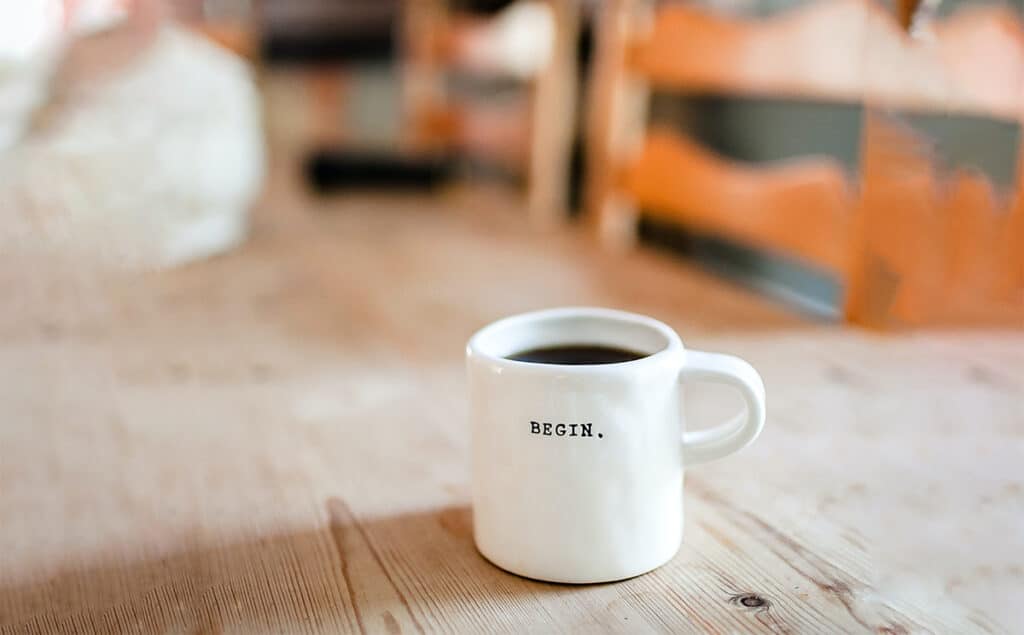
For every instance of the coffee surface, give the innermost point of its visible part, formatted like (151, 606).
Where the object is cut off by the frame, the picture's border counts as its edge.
(576, 354)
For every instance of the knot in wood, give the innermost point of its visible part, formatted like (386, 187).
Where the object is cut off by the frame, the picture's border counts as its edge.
(750, 601)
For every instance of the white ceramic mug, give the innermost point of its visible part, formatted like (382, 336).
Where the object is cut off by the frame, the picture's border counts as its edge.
(578, 469)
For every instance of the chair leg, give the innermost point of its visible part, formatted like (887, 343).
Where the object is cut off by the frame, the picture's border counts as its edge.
(615, 124)
(553, 122)
(424, 23)
(328, 90)
(617, 223)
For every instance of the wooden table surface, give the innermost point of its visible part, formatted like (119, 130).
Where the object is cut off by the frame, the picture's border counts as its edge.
(275, 440)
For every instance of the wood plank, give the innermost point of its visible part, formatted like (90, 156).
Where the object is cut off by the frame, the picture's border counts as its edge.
(843, 51)
(801, 208)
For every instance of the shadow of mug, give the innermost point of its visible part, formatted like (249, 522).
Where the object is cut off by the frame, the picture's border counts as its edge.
(389, 574)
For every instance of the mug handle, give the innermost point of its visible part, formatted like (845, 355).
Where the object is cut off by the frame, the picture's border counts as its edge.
(728, 437)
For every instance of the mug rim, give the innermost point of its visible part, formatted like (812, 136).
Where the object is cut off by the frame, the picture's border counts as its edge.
(673, 344)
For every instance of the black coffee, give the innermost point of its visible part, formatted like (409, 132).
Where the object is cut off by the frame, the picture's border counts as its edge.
(575, 354)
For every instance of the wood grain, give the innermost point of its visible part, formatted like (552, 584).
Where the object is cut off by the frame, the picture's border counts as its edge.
(274, 441)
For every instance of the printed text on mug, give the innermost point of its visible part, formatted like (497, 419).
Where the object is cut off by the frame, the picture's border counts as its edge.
(563, 429)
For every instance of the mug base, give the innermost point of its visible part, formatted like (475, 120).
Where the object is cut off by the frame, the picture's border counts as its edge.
(576, 580)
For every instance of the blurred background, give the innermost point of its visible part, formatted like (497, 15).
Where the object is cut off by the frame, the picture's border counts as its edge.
(849, 158)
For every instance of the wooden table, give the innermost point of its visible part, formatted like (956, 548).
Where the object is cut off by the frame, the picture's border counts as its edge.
(276, 441)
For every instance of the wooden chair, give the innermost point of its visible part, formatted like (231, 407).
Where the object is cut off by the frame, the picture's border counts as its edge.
(238, 32)
(912, 243)
(533, 136)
